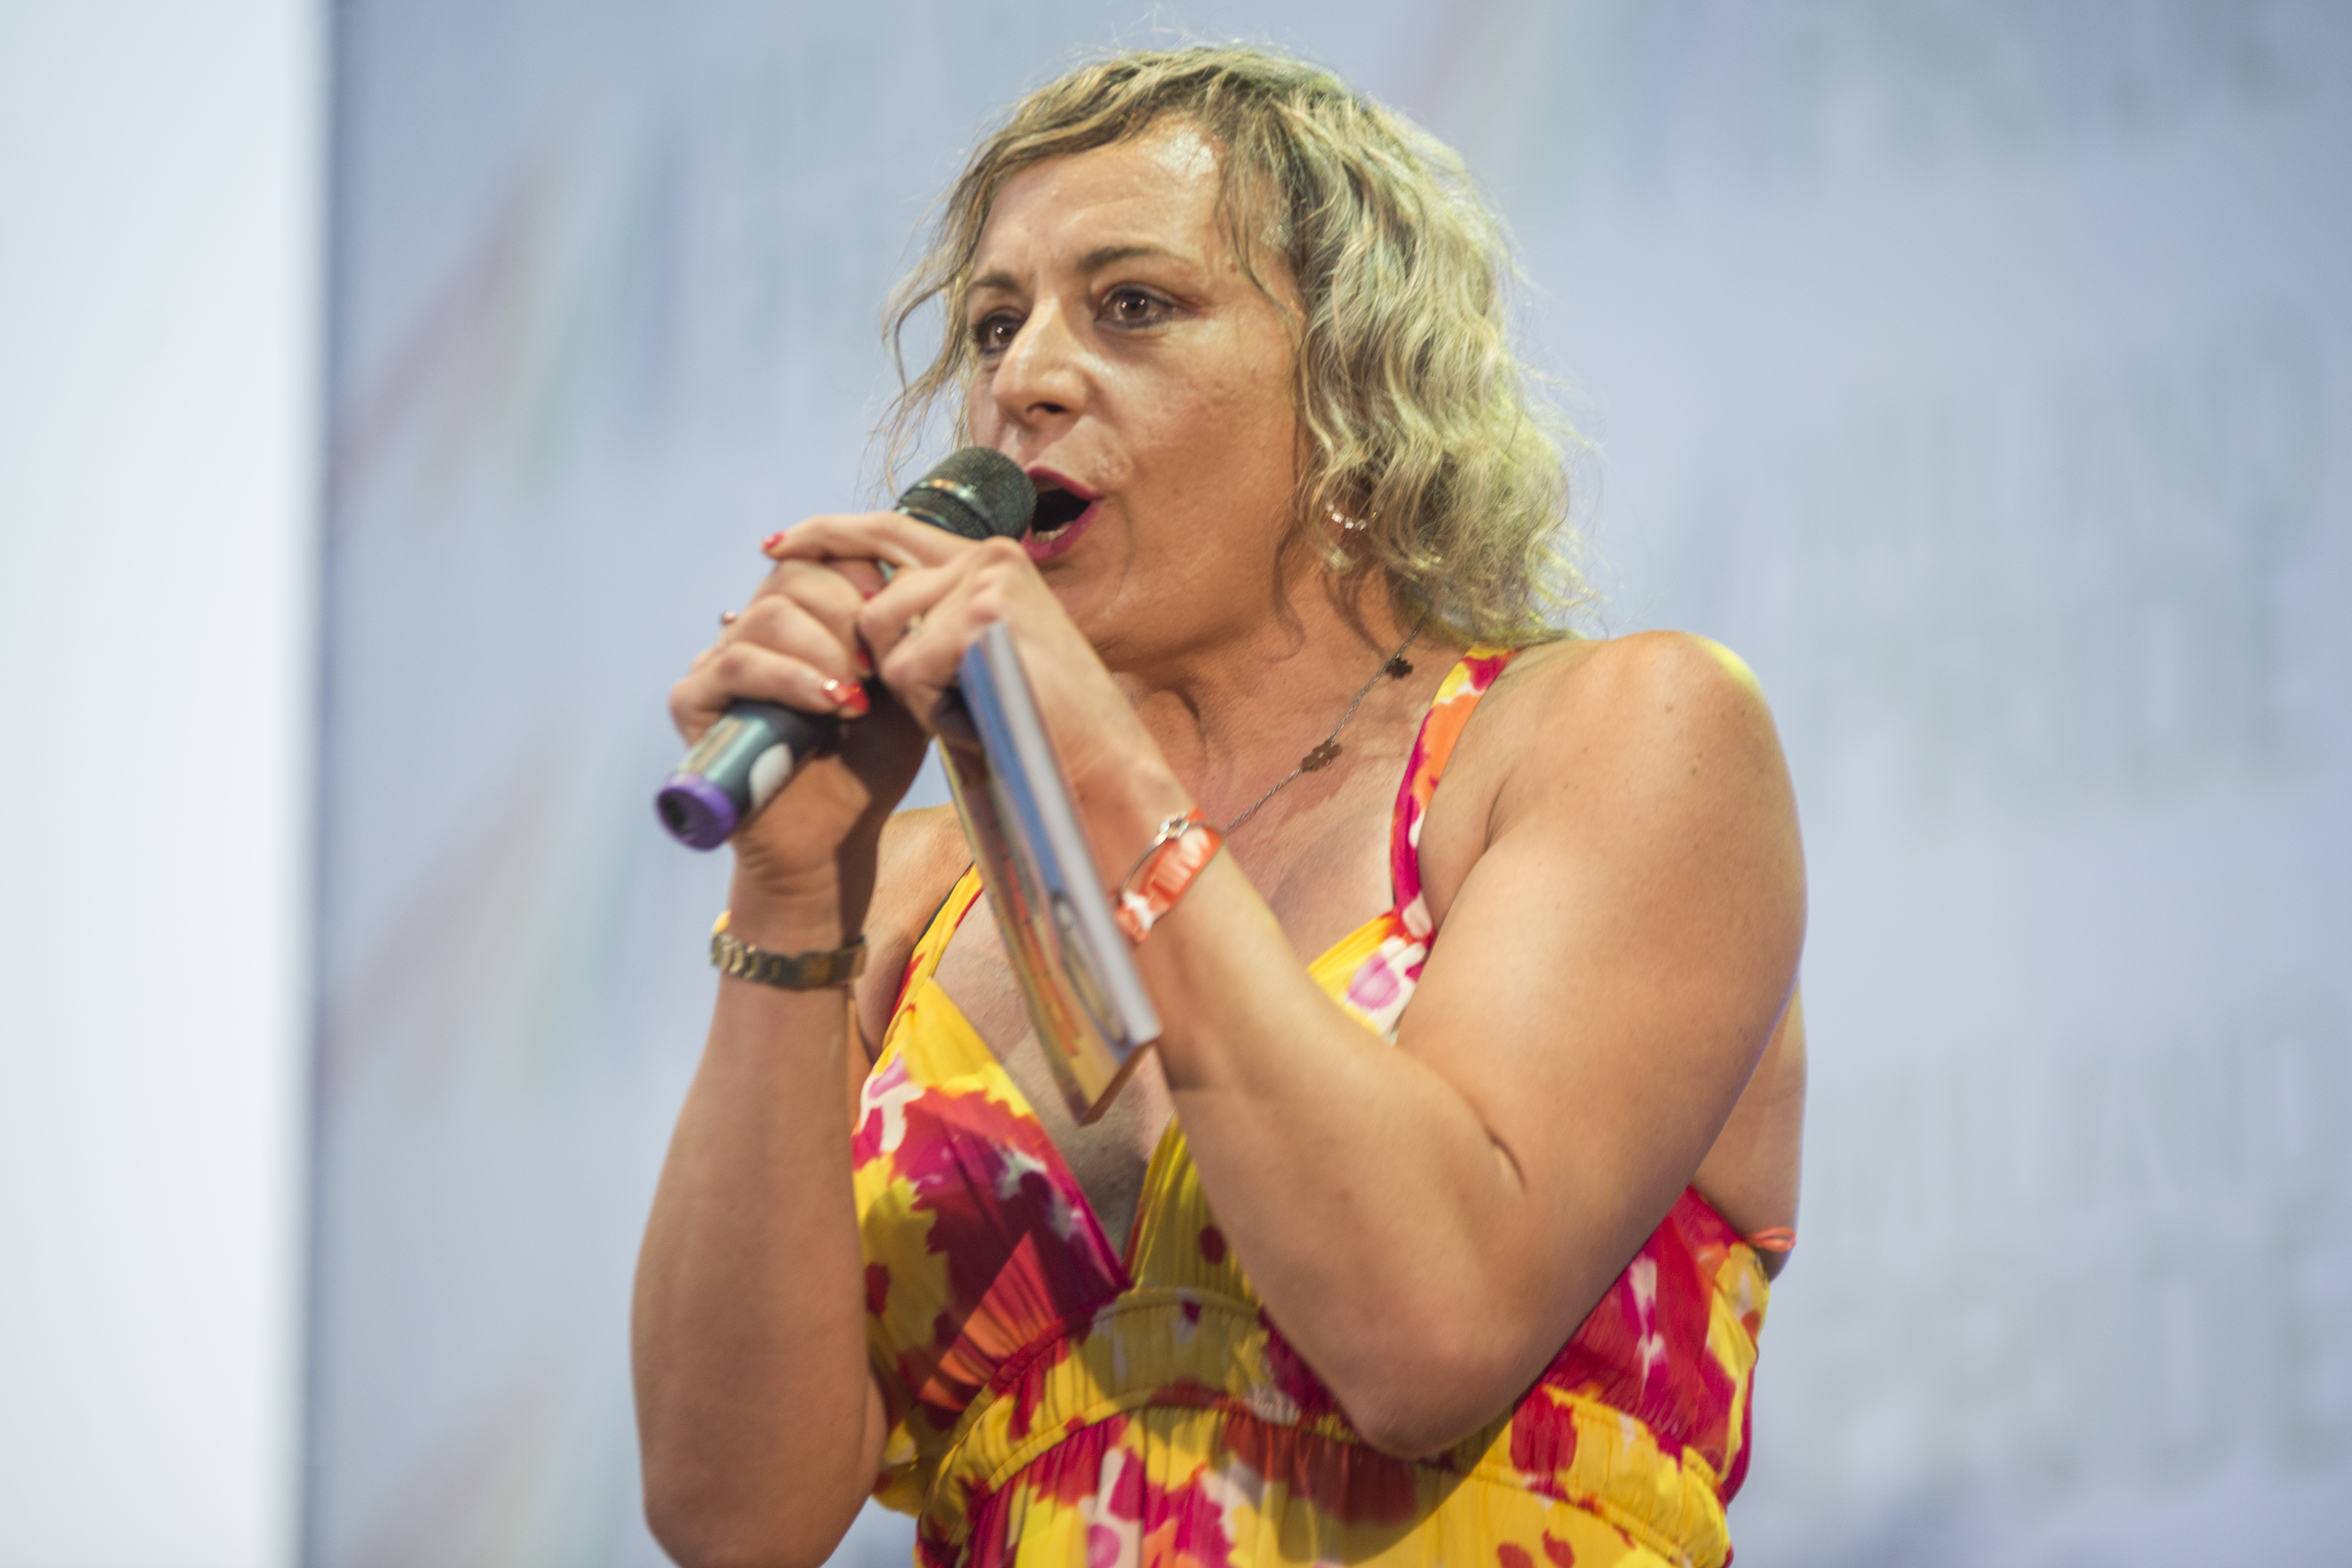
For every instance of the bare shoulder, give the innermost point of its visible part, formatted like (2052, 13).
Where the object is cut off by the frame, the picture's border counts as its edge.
(921, 855)
(1637, 729)
(1642, 678)
(1651, 699)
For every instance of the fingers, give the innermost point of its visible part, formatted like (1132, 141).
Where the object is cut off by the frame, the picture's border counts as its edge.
(798, 593)
(864, 576)
(747, 672)
(920, 624)
(795, 644)
(890, 536)
(827, 615)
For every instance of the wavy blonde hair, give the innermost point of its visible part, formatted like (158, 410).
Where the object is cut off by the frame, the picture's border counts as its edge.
(1416, 419)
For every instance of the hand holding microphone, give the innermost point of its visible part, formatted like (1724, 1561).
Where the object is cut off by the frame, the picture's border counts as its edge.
(742, 760)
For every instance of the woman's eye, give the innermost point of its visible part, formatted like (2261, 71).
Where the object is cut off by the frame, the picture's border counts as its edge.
(1133, 308)
(994, 335)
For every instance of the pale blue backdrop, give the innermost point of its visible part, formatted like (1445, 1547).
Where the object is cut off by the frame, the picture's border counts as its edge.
(1979, 372)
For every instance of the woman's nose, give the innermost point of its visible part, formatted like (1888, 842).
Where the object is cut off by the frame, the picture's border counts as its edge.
(1039, 376)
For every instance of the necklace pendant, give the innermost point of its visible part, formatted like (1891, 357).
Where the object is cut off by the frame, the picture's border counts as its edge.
(1321, 757)
(1398, 667)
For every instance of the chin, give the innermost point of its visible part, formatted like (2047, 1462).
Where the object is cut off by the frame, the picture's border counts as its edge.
(1097, 613)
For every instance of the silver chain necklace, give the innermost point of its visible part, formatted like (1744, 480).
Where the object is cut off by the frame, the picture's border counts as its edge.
(1396, 666)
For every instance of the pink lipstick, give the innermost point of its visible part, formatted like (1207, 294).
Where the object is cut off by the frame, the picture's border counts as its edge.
(1064, 511)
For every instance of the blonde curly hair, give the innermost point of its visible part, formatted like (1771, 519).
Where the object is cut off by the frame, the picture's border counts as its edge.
(1417, 421)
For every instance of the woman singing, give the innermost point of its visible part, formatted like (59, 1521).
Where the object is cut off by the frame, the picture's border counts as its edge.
(1437, 1227)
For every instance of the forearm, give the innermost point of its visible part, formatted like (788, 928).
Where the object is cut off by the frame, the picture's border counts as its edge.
(1387, 1231)
(754, 1395)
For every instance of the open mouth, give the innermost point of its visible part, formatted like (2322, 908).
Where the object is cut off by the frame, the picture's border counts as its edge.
(1063, 512)
(1056, 509)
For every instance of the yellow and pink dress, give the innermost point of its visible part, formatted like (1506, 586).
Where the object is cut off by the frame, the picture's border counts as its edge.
(1056, 1400)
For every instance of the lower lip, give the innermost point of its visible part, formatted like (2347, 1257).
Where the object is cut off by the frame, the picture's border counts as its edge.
(1044, 550)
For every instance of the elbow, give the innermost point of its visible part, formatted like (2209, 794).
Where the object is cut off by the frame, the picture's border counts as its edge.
(1421, 1400)
(705, 1544)
(1403, 1433)
(699, 1531)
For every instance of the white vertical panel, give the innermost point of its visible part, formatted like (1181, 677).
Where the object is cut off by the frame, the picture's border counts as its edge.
(158, 245)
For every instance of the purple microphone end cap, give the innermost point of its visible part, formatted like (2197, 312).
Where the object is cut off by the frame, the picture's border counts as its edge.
(696, 811)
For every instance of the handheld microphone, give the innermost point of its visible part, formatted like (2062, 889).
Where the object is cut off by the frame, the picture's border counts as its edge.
(745, 758)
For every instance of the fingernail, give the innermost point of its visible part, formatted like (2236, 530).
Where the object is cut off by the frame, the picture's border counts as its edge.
(865, 665)
(855, 702)
(773, 542)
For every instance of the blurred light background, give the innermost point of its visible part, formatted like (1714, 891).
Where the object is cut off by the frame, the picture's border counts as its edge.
(1977, 370)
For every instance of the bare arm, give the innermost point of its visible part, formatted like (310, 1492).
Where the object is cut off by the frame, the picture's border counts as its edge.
(1429, 1223)
(1751, 1174)
(759, 1423)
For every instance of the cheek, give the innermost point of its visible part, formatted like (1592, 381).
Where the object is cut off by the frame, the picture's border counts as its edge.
(983, 421)
(1254, 432)
(1242, 410)
(1256, 398)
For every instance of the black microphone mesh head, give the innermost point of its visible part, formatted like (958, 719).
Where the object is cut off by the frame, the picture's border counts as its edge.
(977, 493)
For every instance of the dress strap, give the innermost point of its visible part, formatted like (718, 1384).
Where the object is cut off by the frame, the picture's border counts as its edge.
(1457, 695)
(933, 943)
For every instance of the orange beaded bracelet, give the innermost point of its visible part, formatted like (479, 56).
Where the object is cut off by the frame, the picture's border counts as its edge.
(1182, 845)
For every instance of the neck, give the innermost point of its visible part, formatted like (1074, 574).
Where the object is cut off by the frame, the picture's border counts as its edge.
(1234, 714)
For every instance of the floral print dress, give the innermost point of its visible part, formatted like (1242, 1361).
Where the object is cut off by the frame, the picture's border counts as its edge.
(1057, 1401)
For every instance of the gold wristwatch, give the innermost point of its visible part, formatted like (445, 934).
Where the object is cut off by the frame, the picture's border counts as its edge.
(786, 971)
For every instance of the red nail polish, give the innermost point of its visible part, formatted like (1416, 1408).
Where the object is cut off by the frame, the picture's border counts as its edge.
(772, 544)
(865, 665)
(854, 705)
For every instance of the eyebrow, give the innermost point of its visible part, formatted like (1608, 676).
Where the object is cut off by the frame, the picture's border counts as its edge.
(1094, 261)
(1104, 256)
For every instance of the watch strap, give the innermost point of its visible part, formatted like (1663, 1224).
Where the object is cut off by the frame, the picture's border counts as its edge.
(814, 971)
